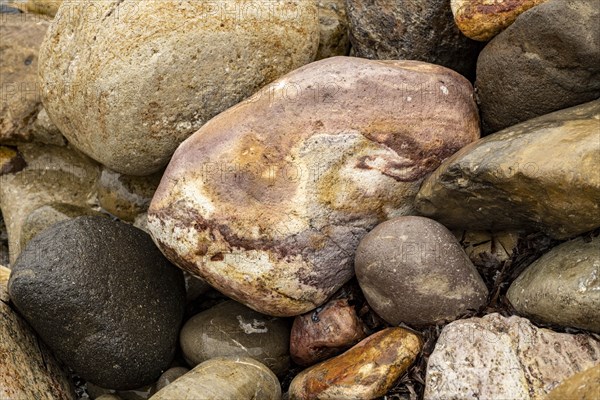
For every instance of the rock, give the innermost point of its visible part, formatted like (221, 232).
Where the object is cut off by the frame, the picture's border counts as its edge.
(482, 19)
(142, 393)
(103, 298)
(224, 379)
(44, 7)
(43, 130)
(154, 80)
(581, 386)
(126, 196)
(504, 358)
(540, 64)
(504, 181)
(268, 201)
(333, 23)
(233, 330)
(562, 287)
(410, 30)
(47, 215)
(366, 371)
(481, 246)
(4, 275)
(169, 377)
(324, 333)
(21, 100)
(27, 369)
(10, 161)
(413, 270)
(53, 175)
(194, 287)
(108, 397)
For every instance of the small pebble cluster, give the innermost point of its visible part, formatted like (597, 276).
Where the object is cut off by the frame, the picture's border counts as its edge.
(300, 199)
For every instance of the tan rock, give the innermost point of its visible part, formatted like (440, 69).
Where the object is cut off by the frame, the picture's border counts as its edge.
(44, 7)
(333, 23)
(268, 201)
(584, 385)
(10, 160)
(504, 358)
(366, 371)
(153, 80)
(4, 275)
(483, 19)
(27, 369)
(540, 175)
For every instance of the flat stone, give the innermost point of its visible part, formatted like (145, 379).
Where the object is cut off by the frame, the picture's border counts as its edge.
(504, 358)
(562, 287)
(504, 182)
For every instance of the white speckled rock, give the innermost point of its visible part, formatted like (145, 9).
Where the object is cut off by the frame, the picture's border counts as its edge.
(268, 201)
(155, 71)
(504, 358)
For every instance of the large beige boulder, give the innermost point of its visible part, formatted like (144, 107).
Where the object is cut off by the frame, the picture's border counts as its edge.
(268, 201)
(126, 82)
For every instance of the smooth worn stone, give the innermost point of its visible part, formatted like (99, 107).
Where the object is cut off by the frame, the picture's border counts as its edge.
(505, 182)
(410, 30)
(103, 298)
(495, 357)
(223, 378)
(562, 287)
(153, 80)
(584, 385)
(366, 371)
(44, 7)
(268, 201)
(21, 36)
(540, 64)
(231, 329)
(169, 376)
(325, 332)
(53, 175)
(333, 22)
(484, 19)
(126, 196)
(47, 215)
(27, 368)
(413, 270)
(10, 160)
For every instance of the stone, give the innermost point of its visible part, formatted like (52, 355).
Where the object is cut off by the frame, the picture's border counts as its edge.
(480, 246)
(194, 286)
(581, 386)
(169, 376)
(4, 275)
(412, 270)
(410, 30)
(326, 332)
(53, 175)
(43, 7)
(366, 371)
(103, 298)
(109, 397)
(540, 64)
(495, 357)
(231, 329)
(142, 393)
(222, 378)
(483, 19)
(333, 22)
(154, 80)
(562, 287)
(504, 181)
(27, 368)
(126, 196)
(268, 201)
(10, 160)
(21, 101)
(43, 130)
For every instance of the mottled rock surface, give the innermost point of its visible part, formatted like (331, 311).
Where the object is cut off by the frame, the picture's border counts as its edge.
(581, 386)
(504, 358)
(484, 19)
(366, 371)
(542, 63)
(410, 30)
(103, 298)
(562, 287)
(153, 80)
(412, 270)
(333, 22)
(224, 379)
(268, 201)
(27, 368)
(231, 329)
(541, 175)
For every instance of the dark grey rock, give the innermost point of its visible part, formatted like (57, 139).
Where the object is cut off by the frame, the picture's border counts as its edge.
(103, 298)
(547, 60)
